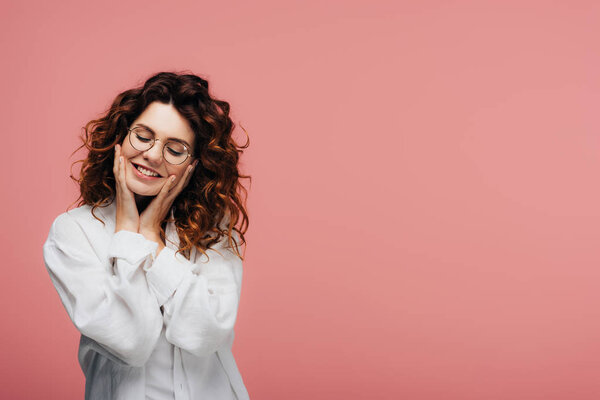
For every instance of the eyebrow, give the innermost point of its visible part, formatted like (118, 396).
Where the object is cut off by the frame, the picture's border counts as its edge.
(169, 138)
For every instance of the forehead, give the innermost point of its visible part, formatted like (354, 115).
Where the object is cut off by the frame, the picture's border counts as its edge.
(166, 122)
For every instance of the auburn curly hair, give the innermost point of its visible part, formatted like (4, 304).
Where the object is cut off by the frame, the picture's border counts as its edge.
(213, 194)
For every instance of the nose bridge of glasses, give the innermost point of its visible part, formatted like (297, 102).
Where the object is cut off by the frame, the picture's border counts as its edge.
(155, 149)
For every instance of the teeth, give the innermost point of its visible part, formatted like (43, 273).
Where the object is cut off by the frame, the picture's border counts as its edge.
(145, 171)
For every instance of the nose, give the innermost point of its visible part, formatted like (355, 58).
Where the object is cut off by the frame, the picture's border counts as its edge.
(154, 154)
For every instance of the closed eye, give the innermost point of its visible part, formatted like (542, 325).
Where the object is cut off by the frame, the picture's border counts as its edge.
(142, 139)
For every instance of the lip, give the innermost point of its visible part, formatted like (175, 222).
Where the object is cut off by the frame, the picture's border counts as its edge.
(142, 176)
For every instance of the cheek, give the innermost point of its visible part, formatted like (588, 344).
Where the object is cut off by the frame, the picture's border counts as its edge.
(178, 172)
(127, 151)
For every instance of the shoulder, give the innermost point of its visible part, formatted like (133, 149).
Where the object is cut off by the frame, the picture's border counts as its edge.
(69, 219)
(81, 219)
(79, 215)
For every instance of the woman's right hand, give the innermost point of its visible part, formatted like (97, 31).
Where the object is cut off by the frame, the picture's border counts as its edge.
(127, 218)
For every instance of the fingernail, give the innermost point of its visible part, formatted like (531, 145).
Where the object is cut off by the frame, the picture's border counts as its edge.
(172, 178)
(121, 159)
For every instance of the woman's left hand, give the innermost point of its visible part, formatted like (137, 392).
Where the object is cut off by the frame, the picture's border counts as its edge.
(155, 213)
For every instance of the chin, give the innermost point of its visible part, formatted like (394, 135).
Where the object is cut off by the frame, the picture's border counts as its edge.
(142, 188)
(143, 191)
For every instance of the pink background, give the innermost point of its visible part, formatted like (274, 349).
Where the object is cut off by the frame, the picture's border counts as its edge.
(424, 205)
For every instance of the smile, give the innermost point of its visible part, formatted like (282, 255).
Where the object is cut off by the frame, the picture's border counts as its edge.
(146, 172)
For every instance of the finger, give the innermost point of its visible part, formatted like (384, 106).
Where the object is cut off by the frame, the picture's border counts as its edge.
(116, 162)
(122, 171)
(190, 174)
(118, 171)
(182, 182)
(161, 201)
(164, 191)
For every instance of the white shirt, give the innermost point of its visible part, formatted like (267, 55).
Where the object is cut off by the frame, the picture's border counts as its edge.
(159, 370)
(113, 285)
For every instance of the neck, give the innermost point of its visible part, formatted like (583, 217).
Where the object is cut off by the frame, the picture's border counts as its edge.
(142, 202)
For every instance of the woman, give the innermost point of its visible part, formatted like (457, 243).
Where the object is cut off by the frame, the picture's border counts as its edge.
(148, 267)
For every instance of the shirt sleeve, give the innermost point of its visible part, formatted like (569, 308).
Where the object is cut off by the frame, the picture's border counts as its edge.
(107, 299)
(200, 298)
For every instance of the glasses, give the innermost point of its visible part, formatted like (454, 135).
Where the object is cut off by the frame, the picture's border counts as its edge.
(142, 139)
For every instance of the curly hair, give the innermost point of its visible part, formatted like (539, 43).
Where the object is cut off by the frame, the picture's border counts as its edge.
(213, 195)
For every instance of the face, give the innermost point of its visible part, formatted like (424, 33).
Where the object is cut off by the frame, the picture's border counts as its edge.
(166, 123)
